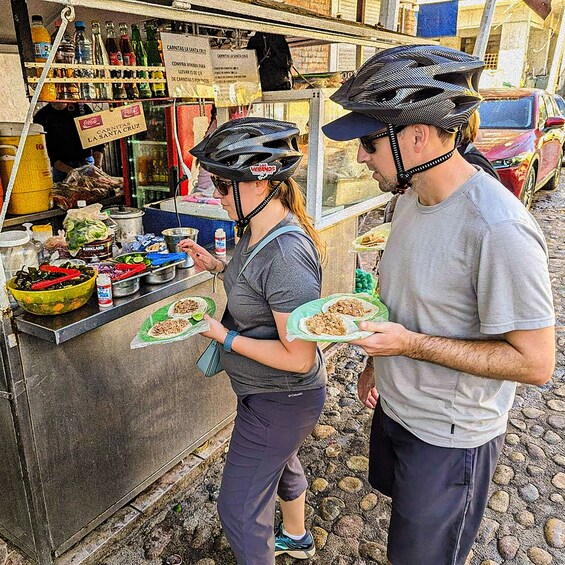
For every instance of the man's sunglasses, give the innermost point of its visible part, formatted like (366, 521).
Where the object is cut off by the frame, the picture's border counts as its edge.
(368, 141)
(222, 185)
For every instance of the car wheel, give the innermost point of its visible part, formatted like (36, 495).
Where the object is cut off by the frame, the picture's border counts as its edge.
(527, 195)
(554, 182)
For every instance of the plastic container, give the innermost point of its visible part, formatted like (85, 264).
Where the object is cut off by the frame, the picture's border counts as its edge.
(51, 302)
(104, 291)
(220, 242)
(17, 251)
(33, 185)
(96, 250)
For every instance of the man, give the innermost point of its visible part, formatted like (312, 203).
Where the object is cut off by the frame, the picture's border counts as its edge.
(63, 142)
(465, 278)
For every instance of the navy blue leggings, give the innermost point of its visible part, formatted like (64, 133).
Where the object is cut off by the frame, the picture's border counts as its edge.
(261, 463)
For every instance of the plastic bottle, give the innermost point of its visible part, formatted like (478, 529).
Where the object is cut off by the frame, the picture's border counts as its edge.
(65, 54)
(83, 56)
(42, 46)
(141, 60)
(116, 59)
(100, 57)
(159, 89)
(220, 242)
(129, 61)
(104, 291)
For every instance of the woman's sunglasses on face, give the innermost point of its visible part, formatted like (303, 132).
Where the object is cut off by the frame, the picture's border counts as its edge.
(222, 185)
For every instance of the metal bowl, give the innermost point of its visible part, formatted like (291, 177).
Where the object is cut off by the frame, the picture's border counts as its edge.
(125, 287)
(164, 274)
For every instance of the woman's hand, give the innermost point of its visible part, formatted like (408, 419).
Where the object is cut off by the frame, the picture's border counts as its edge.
(202, 258)
(216, 331)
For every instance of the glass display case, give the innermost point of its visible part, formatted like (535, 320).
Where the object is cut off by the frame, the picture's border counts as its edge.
(336, 185)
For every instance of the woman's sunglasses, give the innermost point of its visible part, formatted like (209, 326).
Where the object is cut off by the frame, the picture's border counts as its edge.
(222, 185)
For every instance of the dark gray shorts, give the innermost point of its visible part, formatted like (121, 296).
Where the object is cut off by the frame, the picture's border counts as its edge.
(261, 463)
(439, 494)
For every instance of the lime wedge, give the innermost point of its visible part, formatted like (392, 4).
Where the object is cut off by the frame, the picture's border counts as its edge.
(197, 316)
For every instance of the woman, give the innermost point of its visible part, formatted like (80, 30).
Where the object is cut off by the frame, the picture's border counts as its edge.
(280, 385)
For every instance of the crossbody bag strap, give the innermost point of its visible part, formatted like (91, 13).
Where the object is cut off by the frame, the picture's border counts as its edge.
(268, 239)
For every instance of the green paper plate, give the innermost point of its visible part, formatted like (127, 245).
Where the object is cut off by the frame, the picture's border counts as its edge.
(163, 314)
(315, 307)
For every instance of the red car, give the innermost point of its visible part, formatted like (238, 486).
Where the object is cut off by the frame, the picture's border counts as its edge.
(522, 133)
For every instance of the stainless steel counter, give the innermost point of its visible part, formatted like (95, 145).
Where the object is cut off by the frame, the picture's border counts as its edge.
(58, 329)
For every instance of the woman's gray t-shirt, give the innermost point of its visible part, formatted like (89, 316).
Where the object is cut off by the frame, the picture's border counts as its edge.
(285, 274)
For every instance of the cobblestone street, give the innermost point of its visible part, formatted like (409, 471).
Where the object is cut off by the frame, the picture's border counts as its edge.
(524, 521)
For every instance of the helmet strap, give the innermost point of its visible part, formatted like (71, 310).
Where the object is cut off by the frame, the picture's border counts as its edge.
(405, 176)
(243, 221)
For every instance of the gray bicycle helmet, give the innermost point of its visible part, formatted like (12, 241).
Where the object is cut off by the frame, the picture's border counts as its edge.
(426, 84)
(250, 149)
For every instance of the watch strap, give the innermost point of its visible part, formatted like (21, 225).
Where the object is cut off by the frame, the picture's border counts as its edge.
(229, 340)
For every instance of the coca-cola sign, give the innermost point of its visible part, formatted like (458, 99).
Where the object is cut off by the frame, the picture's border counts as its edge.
(90, 122)
(131, 112)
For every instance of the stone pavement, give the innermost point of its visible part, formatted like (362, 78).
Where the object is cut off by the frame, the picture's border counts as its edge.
(524, 522)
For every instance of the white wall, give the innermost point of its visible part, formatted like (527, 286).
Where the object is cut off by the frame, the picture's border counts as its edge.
(12, 90)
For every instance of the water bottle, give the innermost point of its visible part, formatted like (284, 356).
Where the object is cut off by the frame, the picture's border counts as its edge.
(83, 56)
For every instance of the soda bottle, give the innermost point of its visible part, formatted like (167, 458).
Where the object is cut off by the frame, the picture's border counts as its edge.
(116, 59)
(83, 56)
(42, 46)
(129, 60)
(141, 60)
(65, 54)
(154, 60)
(100, 57)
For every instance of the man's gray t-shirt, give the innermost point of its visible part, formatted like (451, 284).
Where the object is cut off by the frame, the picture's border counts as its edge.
(474, 267)
(285, 274)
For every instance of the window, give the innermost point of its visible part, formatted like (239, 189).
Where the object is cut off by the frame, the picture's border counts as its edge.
(509, 113)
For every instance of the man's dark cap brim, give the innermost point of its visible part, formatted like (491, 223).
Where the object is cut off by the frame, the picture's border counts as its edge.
(352, 126)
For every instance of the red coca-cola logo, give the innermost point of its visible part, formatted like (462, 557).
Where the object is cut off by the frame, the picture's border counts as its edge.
(263, 170)
(90, 122)
(131, 112)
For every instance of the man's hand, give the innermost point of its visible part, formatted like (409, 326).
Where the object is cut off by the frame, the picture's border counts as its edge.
(366, 390)
(389, 339)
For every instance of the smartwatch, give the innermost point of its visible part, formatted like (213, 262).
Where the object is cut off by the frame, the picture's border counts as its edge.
(229, 340)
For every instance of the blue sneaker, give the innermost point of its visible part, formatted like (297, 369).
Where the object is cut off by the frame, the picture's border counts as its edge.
(299, 549)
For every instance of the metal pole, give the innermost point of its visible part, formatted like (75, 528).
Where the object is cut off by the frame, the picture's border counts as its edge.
(557, 56)
(484, 29)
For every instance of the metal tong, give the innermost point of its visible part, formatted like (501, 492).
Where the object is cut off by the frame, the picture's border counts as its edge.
(68, 274)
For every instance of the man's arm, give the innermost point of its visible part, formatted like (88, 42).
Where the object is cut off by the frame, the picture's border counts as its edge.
(525, 356)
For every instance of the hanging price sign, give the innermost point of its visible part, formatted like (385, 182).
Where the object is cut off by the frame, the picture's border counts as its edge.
(109, 125)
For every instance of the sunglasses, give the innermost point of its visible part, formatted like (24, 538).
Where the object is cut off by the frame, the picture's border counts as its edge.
(368, 141)
(222, 185)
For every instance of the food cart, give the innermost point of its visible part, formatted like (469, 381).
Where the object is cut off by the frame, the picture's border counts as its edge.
(86, 422)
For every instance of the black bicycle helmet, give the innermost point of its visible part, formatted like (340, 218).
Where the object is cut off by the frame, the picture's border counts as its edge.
(250, 149)
(415, 84)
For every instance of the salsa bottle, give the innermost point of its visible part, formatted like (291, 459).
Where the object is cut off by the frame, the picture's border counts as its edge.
(141, 60)
(116, 59)
(154, 60)
(100, 57)
(42, 47)
(129, 61)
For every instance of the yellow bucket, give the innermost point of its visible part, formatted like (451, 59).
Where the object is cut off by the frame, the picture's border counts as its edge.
(32, 189)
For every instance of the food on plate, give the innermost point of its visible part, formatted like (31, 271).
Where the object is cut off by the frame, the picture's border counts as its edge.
(325, 324)
(354, 308)
(375, 239)
(188, 307)
(371, 239)
(169, 328)
(350, 307)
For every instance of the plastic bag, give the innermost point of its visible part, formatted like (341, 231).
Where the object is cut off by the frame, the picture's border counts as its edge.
(88, 183)
(377, 312)
(83, 225)
(187, 327)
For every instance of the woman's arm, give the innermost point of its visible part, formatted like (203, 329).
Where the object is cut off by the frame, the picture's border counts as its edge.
(295, 356)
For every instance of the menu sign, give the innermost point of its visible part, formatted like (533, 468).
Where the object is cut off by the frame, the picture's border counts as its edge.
(108, 125)
(188, 66)
(236, 77)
